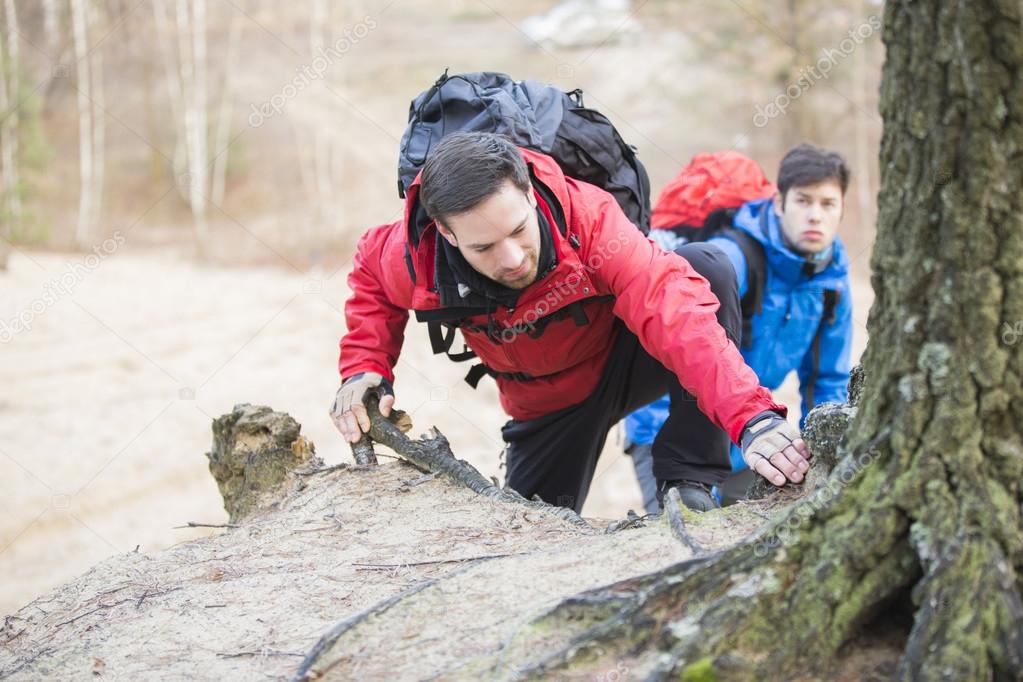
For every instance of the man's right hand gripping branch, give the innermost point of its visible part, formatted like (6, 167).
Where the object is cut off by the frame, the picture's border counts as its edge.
(349, 409)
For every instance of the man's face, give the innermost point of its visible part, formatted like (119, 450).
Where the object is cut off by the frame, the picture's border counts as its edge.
(810, 215)
(499, 237)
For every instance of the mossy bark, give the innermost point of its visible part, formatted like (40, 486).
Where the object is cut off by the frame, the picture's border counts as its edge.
(923, 511)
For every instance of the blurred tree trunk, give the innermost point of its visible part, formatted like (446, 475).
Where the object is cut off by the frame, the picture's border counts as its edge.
(200, 153)
(921, 521)
(51, 26)
(802, 121)
(319, 13)
(10, 87)
(319, 149)
(80, 17)
(222, 138)
(99, 120)
(172, 77)
(864, 165)
(5, 171)
(191, 24)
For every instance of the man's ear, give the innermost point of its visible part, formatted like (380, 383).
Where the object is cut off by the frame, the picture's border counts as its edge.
(447, 234)
(531, 196)
(779, 203)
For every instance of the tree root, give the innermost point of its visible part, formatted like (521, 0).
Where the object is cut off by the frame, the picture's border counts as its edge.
(306, 671)
(673, 510)
(969, 619)
(431, 453)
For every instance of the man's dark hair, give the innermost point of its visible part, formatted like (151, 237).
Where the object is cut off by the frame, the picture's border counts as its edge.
(466, 168)
(807, 164)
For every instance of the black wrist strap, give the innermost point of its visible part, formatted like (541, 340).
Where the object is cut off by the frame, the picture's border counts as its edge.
(747, 436)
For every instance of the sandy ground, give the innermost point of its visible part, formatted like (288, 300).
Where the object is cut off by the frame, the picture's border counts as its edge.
(108, 398)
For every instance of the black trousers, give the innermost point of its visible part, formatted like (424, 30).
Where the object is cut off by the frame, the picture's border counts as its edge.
(555, 456)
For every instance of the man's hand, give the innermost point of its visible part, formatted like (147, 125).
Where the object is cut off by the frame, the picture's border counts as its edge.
(774, 449)
(349, 409)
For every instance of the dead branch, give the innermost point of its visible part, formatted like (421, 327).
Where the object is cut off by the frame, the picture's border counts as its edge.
(431, 453)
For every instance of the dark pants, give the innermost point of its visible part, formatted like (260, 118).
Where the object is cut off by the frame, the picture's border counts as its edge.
(555, 456)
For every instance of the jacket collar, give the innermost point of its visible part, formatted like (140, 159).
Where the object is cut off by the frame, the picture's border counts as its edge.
(438, 267)
(459, 285)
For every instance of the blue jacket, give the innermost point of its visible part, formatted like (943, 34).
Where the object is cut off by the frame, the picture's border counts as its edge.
(783, 332)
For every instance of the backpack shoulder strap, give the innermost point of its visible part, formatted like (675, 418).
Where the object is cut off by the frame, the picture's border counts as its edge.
(831, 298)
(441, 342)
(752, 302)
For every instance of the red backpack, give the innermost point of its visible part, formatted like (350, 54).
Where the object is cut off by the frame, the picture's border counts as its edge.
(702, 201)
(711, 182)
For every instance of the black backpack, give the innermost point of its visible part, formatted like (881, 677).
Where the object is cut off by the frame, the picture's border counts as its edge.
(533, 115)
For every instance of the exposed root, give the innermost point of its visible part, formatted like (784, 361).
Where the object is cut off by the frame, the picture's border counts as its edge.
(673, 510)
(306, 671)
(969, 618)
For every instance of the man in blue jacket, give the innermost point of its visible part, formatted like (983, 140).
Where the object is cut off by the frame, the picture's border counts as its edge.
(803, 318)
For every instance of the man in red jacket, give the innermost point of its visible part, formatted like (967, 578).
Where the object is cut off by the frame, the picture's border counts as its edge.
(578, 317)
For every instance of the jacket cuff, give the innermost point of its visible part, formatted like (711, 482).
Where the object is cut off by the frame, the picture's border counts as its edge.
(754, 412)
(385, 372)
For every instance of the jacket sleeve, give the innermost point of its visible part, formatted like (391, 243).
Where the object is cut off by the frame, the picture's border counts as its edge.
(375, 320)
(832, 381)
(672, 310)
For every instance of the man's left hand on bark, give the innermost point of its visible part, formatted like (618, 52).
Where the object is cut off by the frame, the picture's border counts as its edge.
(775, 449)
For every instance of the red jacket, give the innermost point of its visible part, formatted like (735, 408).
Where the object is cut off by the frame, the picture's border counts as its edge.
(658, 296)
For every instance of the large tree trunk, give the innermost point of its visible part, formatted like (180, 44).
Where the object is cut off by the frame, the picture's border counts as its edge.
(921, 519)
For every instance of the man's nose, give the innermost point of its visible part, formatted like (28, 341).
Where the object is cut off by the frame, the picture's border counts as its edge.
(511, 256)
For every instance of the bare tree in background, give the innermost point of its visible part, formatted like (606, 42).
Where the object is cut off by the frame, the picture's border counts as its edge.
(319, 149)
(801, 120)
(191, 25)
(183, 48)
(51, 25)
(221, 139)
(9, 92)
(91, 125)
(99, 119)
(319, 14)
(864, 163)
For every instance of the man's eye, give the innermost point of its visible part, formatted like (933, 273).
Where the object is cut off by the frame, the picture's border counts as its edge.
(482, 249)
(519, 230)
